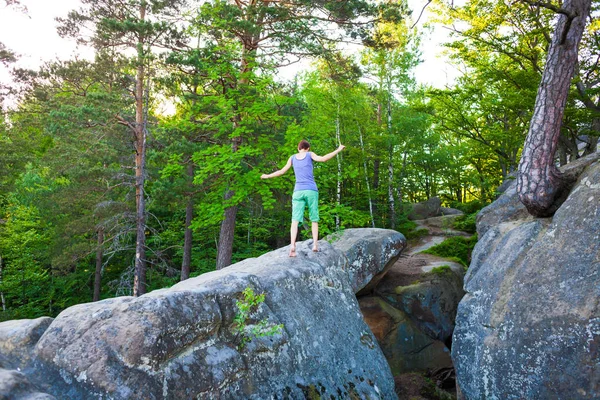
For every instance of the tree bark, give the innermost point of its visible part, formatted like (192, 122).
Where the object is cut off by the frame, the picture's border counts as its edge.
(98, 274)
(540, 185)
(139, 281)
(391, 188)
(187, 242)
(376, 166)
(226, 235)
(391, 197)
(227, 232)
(338, 197)
(362, 148)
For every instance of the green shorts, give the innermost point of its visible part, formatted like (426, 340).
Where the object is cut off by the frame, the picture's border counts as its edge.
(305, 198)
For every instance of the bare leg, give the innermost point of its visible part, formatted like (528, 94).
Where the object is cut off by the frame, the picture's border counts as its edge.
(293, 234)
(315, 234)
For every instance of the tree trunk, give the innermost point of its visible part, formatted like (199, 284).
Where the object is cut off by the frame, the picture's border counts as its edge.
(391, 197)
(226, 235)
(98, 274)
(376, 166)
(540, 185)
(227, 232)
(562, 151)
(139, 281)
(592, 141)
(338, 197)
(391, 187)
(362, 148)
(187, 242)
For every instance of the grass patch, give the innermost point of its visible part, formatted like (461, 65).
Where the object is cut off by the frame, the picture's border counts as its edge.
(456, 248)
(416, 234)
(410, 231)
(465, 223)
(441, 270)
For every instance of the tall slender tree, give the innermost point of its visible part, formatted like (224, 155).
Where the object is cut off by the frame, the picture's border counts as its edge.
(137, 26)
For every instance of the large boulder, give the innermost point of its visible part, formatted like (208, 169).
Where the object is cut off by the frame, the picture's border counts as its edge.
(182, 342)
(426, 209)
(18, 339)
(529, 325)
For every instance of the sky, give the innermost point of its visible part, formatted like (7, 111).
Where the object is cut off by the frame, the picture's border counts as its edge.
(34, 38)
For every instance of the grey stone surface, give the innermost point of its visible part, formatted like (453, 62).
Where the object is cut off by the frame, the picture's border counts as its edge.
(180, 343)
(529, 325)
(17, 340)
(426, 209)
(508, 181)
(15, 386)
(450, 211)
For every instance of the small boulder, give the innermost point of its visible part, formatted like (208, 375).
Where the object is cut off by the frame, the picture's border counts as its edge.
(15, 386)
(450, 211)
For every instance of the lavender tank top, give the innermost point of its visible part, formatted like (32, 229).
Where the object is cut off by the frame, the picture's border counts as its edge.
(303, 169)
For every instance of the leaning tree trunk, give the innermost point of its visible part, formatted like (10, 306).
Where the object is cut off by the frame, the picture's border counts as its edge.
(540, 185)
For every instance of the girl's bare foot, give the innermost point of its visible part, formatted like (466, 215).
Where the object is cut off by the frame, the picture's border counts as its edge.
(315, 248)
(292, 252)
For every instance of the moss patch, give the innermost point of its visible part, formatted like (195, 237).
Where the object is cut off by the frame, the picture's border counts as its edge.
(455, 248)
(416, 233)
(441, 270)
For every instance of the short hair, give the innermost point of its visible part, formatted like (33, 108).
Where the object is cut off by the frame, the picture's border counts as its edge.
(303, 145)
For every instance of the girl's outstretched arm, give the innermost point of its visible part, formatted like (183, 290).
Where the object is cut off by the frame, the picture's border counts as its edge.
(280, 172)
(329, 156)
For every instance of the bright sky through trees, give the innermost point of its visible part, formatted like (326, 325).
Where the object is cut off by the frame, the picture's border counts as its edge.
(34, 38)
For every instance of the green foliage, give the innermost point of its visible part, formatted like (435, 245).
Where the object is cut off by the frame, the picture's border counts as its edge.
(247, 308)
(455, 248)
(442, 270)
(415, 233)
(67, 147)
(469, 207)
(466, 223)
